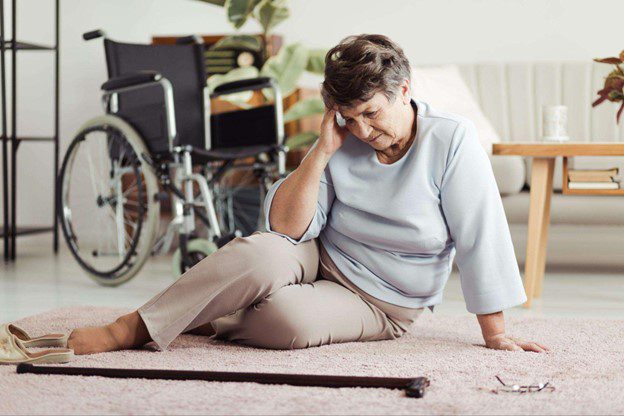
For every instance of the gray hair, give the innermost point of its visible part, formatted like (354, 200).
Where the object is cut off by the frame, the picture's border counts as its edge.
(360, 66)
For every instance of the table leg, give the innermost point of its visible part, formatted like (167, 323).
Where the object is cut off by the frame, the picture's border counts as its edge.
(539, 282)
(539, 219)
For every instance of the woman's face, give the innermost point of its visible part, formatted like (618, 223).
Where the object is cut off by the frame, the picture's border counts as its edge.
(379, 122)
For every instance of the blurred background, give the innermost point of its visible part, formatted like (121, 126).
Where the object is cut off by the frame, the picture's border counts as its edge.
(501, 50)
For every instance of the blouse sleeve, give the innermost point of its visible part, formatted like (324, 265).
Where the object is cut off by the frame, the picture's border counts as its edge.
(323, 207)
(489, 274)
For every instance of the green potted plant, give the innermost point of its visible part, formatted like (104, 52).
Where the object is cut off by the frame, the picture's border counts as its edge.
(286, 67)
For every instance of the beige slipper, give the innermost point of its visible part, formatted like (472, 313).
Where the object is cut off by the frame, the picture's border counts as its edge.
(13, 352)
(48, 340)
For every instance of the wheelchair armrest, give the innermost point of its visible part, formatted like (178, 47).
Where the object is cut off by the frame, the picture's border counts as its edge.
(249, 84)
(131, 80)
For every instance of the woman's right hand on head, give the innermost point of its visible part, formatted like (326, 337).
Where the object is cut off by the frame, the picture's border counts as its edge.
(332, 135)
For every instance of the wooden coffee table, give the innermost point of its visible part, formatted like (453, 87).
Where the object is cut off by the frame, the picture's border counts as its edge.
(544, 154)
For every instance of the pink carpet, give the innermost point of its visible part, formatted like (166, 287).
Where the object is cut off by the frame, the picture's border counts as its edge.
(586, 367)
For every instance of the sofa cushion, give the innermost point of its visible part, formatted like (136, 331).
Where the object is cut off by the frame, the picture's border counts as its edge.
(509, 172)
(569, 209)
(594, 248)
(444, 88)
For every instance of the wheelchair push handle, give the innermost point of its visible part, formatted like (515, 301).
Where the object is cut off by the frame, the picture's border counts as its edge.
(94, 34)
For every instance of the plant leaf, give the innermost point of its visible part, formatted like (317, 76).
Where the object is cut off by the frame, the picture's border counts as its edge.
(599, 100)
(301, 139)
(239, 10)
(304, 108)
(240, 98)
(286, 67)
(247, 42)
(619, 113)
(316, 61)
(612, 60)
(615, 96)
(215, 2)
(271, 13)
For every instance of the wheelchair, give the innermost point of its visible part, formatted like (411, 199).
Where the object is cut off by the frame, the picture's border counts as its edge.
(159, 144)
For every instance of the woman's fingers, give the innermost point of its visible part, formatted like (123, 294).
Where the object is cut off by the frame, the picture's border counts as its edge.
(514, 344)
(544, 347)
(509, 346)
(531, 346)
(329, 116)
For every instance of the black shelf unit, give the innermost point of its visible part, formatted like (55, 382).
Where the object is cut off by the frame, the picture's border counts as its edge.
(10, 230)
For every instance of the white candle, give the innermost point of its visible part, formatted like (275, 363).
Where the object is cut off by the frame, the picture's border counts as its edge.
(555, 123)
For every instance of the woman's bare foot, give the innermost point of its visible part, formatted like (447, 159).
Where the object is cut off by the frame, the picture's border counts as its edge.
(126, 332)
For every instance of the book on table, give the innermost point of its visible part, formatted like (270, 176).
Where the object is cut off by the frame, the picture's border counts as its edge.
(592, 175)
(594, 178)
(593, 185)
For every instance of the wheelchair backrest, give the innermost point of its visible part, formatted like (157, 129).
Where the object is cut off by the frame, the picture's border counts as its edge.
(239, 128)
(183, 66)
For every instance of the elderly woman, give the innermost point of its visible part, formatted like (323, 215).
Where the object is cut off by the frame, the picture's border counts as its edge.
(361, 236)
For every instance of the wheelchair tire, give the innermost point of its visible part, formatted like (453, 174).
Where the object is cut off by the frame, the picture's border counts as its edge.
(135, 219)
(198, 249)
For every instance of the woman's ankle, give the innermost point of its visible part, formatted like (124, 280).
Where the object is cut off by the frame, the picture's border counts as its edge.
(129, 331)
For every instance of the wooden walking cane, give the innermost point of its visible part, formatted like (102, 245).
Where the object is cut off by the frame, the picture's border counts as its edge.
(414, 387)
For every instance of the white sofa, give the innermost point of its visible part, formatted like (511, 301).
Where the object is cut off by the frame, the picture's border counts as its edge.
(584, 230)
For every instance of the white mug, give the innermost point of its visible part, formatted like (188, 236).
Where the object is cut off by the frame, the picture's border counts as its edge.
(555, 123)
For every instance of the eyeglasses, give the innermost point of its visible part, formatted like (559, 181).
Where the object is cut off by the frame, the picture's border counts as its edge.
(516, 388)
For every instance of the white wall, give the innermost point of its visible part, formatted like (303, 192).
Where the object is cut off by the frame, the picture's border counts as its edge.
(434, 31)
(82, 71)
(430, 31)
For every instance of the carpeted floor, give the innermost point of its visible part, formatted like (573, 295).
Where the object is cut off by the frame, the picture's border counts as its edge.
(586, 367)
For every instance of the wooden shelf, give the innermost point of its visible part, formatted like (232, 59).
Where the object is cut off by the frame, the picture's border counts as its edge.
(8, 82)
(28, 230)
(594, 192)
(35, 139)
(567, 191)
(26, 46)
(547, 149)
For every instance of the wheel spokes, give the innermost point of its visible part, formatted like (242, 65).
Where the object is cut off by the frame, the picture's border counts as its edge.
(104, 217)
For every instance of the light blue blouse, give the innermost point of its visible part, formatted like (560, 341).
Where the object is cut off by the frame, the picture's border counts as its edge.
(394, 230)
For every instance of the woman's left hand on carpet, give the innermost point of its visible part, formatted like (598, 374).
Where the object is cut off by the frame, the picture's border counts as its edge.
(504, 342)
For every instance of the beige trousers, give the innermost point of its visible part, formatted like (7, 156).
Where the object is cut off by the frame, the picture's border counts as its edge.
(264, 291)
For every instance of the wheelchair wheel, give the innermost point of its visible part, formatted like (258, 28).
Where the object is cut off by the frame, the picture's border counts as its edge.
(239, 199)
(198, 249)
(106, 205)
